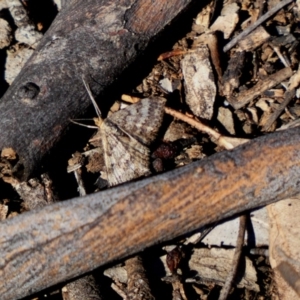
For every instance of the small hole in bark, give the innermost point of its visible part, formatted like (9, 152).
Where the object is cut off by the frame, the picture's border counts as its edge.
(28, 92)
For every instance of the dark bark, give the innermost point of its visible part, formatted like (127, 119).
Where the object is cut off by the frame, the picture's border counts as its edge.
(66, 239)
(97, 39)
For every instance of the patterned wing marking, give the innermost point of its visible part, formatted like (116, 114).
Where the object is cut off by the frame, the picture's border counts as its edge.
(141, 120)
(125, 158)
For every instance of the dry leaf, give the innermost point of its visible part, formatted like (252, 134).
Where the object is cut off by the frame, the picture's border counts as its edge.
(255, 39)
(226, 119)
(199, 82)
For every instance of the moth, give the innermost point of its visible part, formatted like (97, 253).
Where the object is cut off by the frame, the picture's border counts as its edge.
(125, 137)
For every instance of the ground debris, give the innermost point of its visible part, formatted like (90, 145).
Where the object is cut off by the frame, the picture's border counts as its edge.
(233, 77)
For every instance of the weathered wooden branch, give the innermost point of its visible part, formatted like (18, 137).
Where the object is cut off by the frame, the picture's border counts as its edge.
(97, 39)
(43, 247)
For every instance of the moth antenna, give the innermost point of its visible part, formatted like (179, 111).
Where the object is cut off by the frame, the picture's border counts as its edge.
(88, 126)
(89, 119)
(98, 112)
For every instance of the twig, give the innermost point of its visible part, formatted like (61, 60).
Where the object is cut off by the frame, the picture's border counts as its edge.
(289, 95)
(120, 291)
(263, 18)
(236, 258)
(74, 165)
(81, 188)
(137, 284)
(294, 82)
(246, 96)
(178, 292)
(226, 142)
(283, 59)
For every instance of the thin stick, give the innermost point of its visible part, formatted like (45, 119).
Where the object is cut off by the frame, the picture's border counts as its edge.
(79, 180)
(289, 95)
(226, 142)
(263, 18)
(137, 282)
(236, 259)
(246, 96)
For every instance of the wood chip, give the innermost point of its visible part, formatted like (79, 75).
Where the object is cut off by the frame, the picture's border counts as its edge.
(5, 34)
(199, 82)
(227, 21)
(246, 96)
(231, 77)
(226, 119)
(253, 40)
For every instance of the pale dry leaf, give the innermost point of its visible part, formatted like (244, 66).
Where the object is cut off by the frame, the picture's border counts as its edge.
(166, 84)
(211, 40)
(264, 104)
(226, 119)
(199, 82)
(28, 35)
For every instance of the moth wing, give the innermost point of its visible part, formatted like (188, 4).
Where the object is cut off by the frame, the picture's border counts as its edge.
(141, 120)
(125, 158)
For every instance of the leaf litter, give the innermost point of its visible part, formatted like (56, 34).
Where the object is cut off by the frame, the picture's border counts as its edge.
(226, 84)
